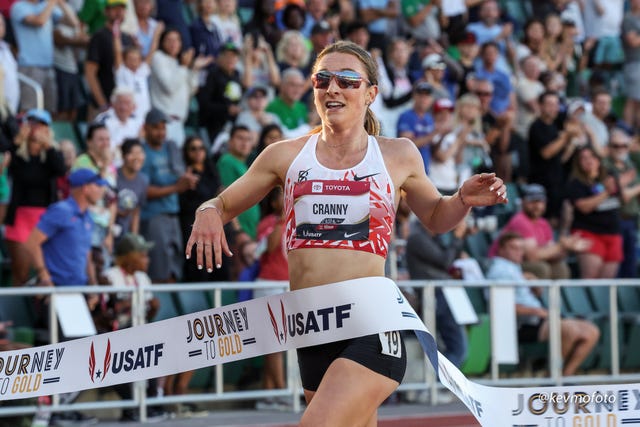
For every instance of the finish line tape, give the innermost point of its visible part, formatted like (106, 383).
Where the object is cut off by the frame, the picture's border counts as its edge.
(291, 320)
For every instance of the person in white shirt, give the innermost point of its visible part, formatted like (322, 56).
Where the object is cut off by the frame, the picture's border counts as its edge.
(9, 69)
(121, 121)
(132, 72)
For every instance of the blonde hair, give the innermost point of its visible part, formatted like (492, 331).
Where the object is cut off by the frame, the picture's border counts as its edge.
(371, 123)
(469, 99)
(283, 44)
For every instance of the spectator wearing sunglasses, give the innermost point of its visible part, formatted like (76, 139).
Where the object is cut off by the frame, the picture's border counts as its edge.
(357, 373)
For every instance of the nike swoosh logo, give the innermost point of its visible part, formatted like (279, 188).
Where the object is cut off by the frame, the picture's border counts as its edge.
(347, 235)
(360, 178)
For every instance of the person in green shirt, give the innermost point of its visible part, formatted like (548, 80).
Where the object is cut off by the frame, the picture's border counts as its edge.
(292, 112)
(232, 165)
(92, 14)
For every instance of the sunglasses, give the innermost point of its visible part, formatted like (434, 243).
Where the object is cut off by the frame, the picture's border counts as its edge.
(196, 148)
(345, 79)
(618, 146)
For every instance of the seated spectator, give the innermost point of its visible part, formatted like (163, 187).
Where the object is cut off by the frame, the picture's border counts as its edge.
(293, 52)
(528, 89)
(227, 22)
(578, 336)
(544, 257)
(69, 154)
(9, 68)
(395, 84)
(132, 72)
(430, 257)
(255, 116)
(595, 196)
(149, 29)
(446, 151)
(67, 40)
(468, 121)
(131, 187)
(293, 113)
(433, 71)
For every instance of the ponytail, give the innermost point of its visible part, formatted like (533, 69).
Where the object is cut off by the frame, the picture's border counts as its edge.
(371, 123)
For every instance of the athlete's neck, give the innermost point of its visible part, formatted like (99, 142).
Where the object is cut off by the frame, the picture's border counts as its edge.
(348, 141)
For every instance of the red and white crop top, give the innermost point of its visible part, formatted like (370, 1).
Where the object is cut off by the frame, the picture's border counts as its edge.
(345, 209)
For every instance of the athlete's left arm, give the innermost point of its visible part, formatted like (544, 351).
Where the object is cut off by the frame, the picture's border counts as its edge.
(442, 213)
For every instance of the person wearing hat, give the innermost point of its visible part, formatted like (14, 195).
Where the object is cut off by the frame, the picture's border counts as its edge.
(544, 256)
(255, 116)
(32, 22)
(219, 98)
(35, 165)
(321, 35)
(434, 69)
(99, 66)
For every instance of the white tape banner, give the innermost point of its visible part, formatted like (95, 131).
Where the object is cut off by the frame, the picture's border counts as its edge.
(291, 320)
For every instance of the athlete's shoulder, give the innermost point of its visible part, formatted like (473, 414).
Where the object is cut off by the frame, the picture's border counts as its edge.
(396, 147)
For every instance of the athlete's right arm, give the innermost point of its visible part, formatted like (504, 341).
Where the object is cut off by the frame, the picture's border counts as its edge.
(207, 232)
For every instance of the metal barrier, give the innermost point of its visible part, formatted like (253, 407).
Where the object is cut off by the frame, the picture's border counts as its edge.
(294, 390)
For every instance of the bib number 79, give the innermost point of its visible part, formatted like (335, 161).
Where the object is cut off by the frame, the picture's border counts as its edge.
(391, 344)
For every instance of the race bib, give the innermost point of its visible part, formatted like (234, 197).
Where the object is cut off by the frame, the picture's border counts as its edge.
(391, 344)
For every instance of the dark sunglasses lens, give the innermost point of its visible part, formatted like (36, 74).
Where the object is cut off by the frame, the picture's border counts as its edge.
(321, 80)
(347, 79)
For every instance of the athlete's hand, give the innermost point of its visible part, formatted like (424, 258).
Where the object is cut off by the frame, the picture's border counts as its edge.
(483, 190)
(207, 233)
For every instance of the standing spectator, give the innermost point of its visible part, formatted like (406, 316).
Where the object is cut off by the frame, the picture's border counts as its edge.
(596, 119)
(99, 66)
(378, 15)
(120, 121)
(396, 84)
(468, 50)
(292, 52)
(578, 336)
(67, 40)
(9, 68)
(503, 95)
(231, 166)
(167, 179)
(532, 41)
(262, 22)
(227, 22)
(595, 196)
(93, 14)
(293, 113)
(631, 44)
(490, 30)
(550, 149)
(69, 155)
(9, 129)
(603, 21)
(417, 123)
(528, 89)
(205, 36)
(433, 72)
(430, 256)
(322, 35)
(422, 18)
(33, 23)
(132, 187)
(35, 164)
(171, 13)
(254, 115)
(174, 80)
(544, 257)
(628, 180)
(219, 98)
(132, 72)
(149, 29)
(475, 153)
(194, 154)
(259, 63)
(270, 134)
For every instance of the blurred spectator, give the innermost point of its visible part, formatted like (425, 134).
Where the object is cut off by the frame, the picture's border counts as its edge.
(254, 115)
(490, 30)
(292, 16)
(543, 257)
(120, 121)
(595, 196)
(578, 336)
(468, 121)
(6, 343)
(430, 257)
(422, 18)
(468, 51)
(33, 23)
(98, 158)
(293, 113)
(167, 179)
(631, 44)
(273, 266)
(259, 63)
(9, 129)
(395, 84)
(417, 122)
(433, 71)
(205, 36)
(595, 120)
(99, 67)
(532, 41)
(602, 22)
(174, 79)
(270, 134)
(227, 22)
(93, 14)
(35, 165)
(556, 51)
(317, 11)
(292, 52)
(322, 35)
(528, 89)
(503, 95)
(378, 15)
(149, 30)
(358, 32)
(447, 149)
(219, 98)
(171, 13)
(629, 182)
(130, 270)
(232, 165)
(69, 155)
(67, 40)
(132, 187)
(196, 161)
(583, 134)
(262, 22)
(550, 149)
(133, 73)
(9, 71)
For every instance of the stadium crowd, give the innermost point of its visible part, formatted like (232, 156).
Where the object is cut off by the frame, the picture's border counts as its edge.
(171, 100)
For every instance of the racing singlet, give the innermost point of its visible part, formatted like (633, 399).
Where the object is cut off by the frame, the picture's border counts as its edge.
(345, 209)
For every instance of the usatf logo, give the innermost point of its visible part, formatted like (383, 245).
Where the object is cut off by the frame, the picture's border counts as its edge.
(302, 175)
(123, 361)
(316, 187)
(303, 323)
(281, 335)
(105, 363)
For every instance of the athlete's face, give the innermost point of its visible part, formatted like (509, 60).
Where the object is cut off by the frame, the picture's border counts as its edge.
(338, 106)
